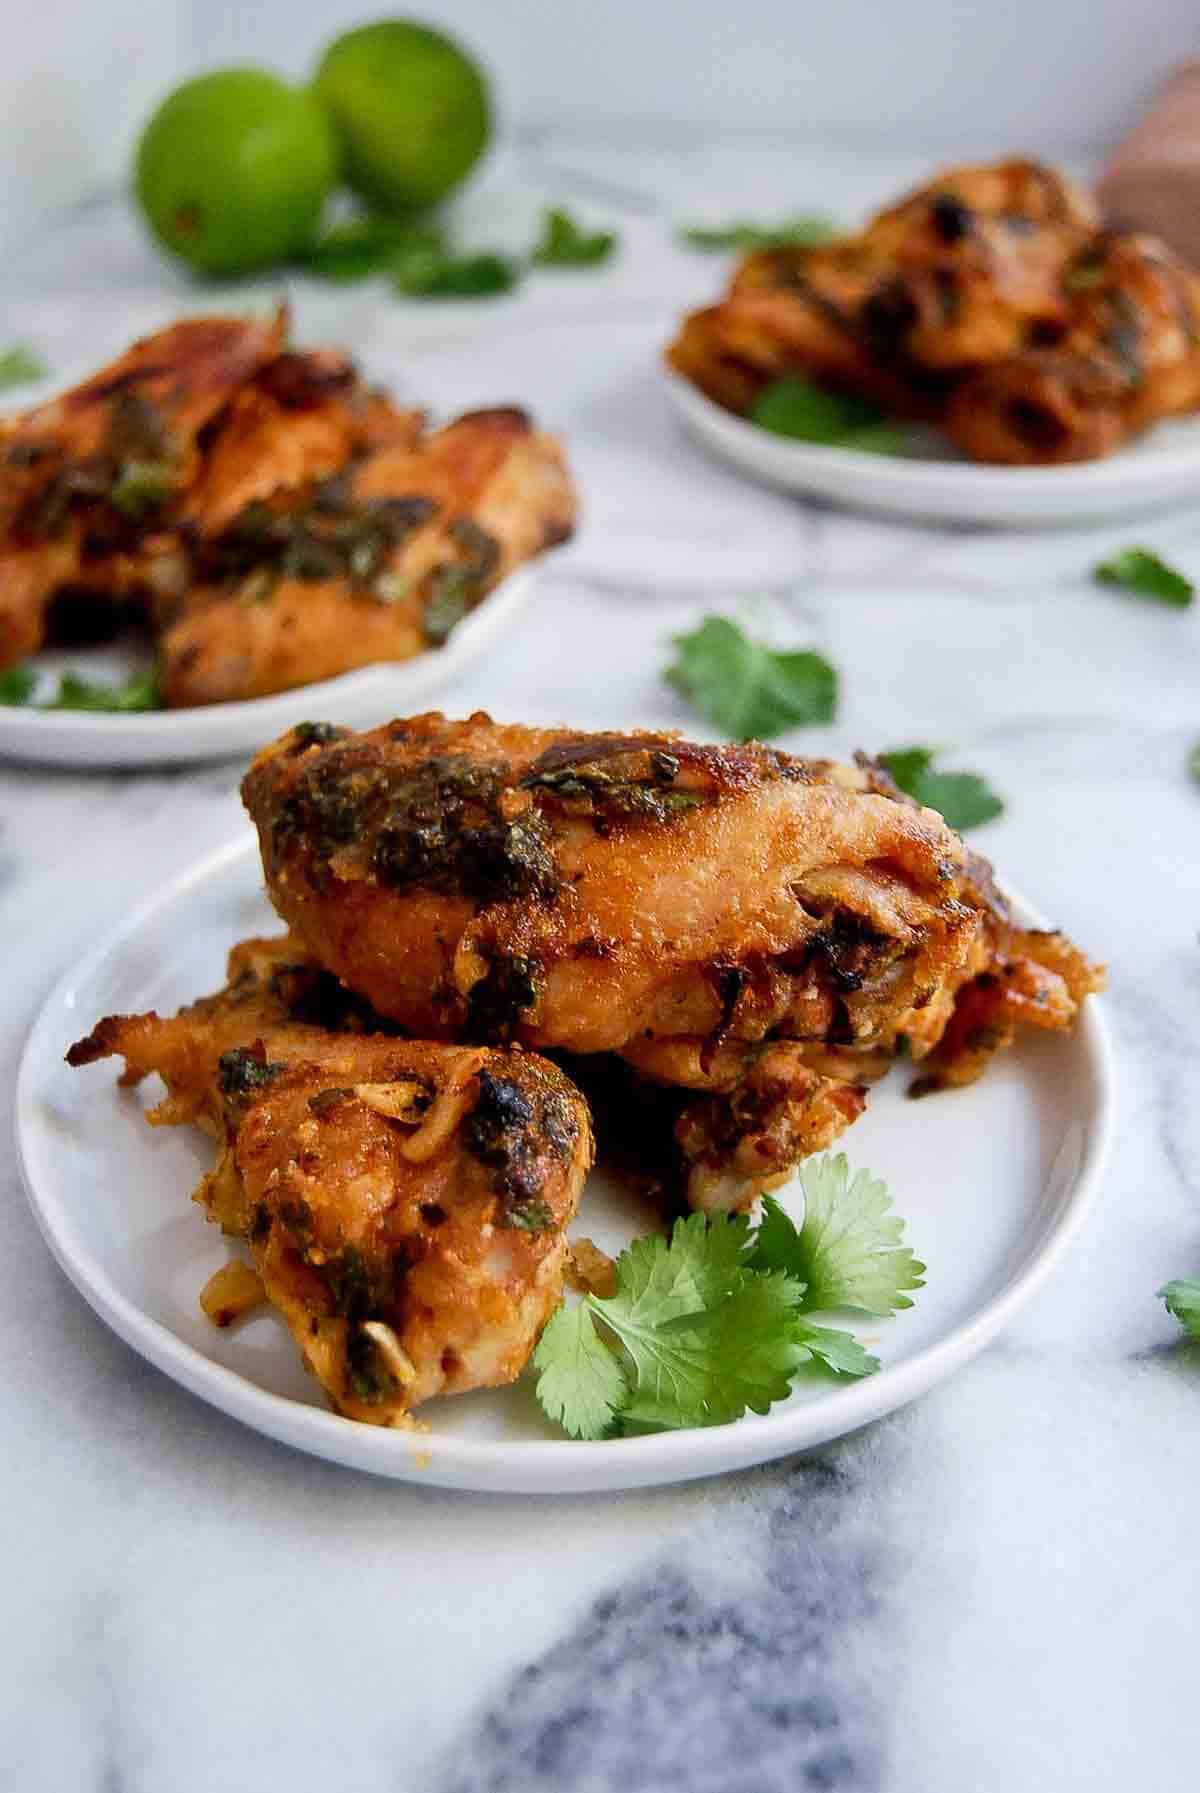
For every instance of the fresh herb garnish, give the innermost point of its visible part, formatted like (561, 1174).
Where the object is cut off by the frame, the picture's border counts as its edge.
(140, 487)
(715, 1320)
(1193, 763)
(1183, 1300)
(747, 689)
(796, 408)
(1141, 571)
(433, 273)
(138, 693)
(358, 247)
(16, 685)
(565, 244)
(802, 232)
(963, 799)
(19, 366)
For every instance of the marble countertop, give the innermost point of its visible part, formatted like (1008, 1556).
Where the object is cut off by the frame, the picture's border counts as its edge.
(992, 1592)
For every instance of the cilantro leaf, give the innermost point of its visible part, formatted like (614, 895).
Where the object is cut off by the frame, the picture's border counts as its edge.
(433, 273)
(582, 1384)
(16, 685)
(138, 693)
(746, 689)
(836, 1351)
(19, 366)
(565, 244)
(1183, 1300)
(140, 487)
(796, 408)
(355, 248)
(847, 1252)
(963, 799)
(1194, 762)
(1139, 570)
(801, 232)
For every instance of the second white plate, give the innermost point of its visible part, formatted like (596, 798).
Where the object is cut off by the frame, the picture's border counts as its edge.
(111, 1196)
(935, 485)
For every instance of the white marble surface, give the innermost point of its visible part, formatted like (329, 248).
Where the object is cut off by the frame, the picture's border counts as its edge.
(993, 1592)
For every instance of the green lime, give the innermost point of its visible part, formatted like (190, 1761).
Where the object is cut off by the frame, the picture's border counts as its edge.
(233, 171)
(411, 111)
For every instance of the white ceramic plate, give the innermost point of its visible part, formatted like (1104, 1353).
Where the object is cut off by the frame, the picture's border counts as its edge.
(213, 731)
(1161, 468)
(992, 1182)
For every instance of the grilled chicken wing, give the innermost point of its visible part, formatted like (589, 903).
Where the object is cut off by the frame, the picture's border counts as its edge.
(758, 929)
(372, 567)
(405, 1204)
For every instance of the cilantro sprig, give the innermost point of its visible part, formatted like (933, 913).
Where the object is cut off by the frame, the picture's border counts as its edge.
(355, 248)
(963, 799)
(140, 692)
(746, 689)
(19, 366)
(564, 243)
(714, 1321)
(1141, 571)
(802, 232)
(804, 412)
(1182, 1298)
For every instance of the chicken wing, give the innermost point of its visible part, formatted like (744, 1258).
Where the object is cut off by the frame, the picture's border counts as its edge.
(405, 1204)
(371, 567)
(758, 929)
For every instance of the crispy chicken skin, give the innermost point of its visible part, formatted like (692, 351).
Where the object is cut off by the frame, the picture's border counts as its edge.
(689, 908)
(412, 538)
(404, 1203)
(990, 302)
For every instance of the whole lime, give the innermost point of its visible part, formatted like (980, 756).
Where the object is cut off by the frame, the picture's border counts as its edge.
(411, 110)
(233, 171)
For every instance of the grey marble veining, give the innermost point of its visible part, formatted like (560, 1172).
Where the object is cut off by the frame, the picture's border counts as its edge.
(993, 1591)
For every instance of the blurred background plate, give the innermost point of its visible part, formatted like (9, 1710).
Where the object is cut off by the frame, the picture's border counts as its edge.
(933, 484)
(991, 1180)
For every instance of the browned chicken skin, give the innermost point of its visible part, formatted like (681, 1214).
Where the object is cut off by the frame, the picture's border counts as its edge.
(277, 521)
(990, 301)
(405, 1203)
(758, 929)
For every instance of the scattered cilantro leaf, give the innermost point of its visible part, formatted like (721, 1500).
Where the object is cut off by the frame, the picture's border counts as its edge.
(565, 244)
(713, 1321)
(16, 685)
(1194, 762)
(801, 232)
(140, 487)
(804, 412)
(356, 248)
(19, 366)
(747, 689)
(138, 693)
(1139, 570)
(433, 273)
(847, 1251)
(963, 798)
(1183, 1300)
(582, 1384)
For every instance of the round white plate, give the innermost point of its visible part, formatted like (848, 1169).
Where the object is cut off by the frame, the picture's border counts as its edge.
(992, 1182)
(371, 695)
(934, 484)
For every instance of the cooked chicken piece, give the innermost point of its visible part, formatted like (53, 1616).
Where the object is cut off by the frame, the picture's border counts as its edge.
(1129, 357)
(955, 276)
(405, 1204)
(683, 906)
(371, 568)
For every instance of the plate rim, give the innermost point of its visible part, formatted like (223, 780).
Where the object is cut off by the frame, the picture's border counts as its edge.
(543, 1466)
(896, 472)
